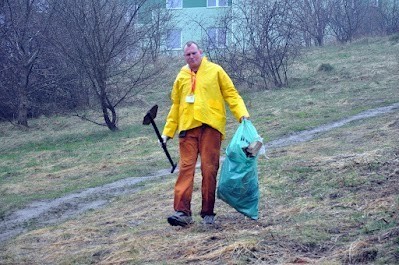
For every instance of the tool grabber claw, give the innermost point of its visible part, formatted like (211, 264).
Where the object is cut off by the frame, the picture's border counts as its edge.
(149, 118)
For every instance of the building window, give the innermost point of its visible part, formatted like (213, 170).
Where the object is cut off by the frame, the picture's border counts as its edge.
(217, 3)
(216, 37)
(173, 40)
(174, 4)
(374, 3)
(42, 5)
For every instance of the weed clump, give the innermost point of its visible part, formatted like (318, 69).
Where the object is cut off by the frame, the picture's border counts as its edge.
(394, 39)
(325, 67)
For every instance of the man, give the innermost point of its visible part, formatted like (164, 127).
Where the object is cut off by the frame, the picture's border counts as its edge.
(198, 114)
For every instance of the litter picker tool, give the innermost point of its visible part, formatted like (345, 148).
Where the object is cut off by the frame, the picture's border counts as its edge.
(149, 118)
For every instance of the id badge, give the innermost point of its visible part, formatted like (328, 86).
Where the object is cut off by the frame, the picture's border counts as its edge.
(190, 99)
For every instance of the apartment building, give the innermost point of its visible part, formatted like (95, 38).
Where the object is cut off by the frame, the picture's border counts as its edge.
(196, 20)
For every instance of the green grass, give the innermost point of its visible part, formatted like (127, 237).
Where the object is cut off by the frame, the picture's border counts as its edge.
(62, 162)
(331, 200)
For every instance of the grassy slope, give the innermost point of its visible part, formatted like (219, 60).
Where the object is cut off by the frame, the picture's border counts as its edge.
(332, 200)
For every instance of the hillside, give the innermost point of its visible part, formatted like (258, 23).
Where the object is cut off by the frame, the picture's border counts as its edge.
(330, 200)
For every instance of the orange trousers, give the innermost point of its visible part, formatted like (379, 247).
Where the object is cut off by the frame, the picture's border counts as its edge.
(205, 142)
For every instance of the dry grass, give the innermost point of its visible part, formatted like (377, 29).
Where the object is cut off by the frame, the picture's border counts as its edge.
(333, 200)
(352, 222)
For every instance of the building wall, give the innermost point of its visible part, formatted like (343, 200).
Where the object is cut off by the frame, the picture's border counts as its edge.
(195, 18)
(194, 3)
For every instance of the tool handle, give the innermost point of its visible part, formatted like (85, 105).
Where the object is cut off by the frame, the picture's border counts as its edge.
(163, 145)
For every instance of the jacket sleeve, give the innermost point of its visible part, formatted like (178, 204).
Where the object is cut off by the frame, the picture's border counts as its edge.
(231, 96)
(172, 120)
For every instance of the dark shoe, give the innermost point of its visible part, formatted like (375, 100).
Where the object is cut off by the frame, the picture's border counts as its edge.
(180, 219)
(208, 220)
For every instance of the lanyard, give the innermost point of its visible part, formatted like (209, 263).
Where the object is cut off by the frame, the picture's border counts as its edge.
(193, 81)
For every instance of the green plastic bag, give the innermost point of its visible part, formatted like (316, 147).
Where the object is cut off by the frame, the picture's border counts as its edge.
(238, 182)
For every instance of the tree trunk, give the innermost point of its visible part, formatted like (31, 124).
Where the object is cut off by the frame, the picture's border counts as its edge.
(109, 113)
(23, 107)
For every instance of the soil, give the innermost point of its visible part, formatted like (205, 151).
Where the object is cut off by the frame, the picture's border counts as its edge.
(43, 213)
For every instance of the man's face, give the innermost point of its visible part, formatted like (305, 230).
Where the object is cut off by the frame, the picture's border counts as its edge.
(193, 56)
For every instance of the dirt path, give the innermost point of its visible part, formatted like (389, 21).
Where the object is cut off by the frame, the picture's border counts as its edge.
(42, 213)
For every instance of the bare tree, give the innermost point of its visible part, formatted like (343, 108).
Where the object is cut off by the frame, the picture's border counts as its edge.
(21, 44)
(347, 17)
(390, 13)
(263, 40)
(115, 43)
(312, 18)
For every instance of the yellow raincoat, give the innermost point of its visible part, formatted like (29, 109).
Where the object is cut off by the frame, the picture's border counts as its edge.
(211, 87)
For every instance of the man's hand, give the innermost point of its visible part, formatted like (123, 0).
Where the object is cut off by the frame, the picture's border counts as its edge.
(165, 139)
(243, 118)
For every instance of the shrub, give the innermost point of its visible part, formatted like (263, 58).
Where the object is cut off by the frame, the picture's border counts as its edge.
(325, 67)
